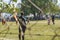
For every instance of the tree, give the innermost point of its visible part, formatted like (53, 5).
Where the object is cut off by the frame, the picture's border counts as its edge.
(33, 6)
(39, 6)
(15, 0)
(44, 5)
(8, 7)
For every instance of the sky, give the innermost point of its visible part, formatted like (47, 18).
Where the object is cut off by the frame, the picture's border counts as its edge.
(58, 1)
(15, 4)
(7, 1)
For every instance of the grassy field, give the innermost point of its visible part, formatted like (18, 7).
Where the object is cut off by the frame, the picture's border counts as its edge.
(39, 31)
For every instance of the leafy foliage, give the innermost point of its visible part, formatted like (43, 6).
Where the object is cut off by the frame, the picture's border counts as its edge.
(15, 0)
(45, 5)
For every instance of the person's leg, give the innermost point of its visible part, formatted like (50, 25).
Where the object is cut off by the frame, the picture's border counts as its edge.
(48, 21)
(23, 32)
(53, 21)
(19, 34)
(23, 36)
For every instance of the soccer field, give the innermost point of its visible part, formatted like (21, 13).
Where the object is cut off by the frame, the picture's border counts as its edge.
(39, 30)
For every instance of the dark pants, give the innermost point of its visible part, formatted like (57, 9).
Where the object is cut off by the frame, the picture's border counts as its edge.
(23, 30)
(19, 33)
(53, 21)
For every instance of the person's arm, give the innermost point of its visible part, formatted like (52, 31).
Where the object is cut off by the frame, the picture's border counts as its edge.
(27, 20)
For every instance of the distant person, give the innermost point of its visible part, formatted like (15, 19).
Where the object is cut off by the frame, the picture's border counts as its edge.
(3, 21)
(2, 18)
(48, 18)
(53, 18)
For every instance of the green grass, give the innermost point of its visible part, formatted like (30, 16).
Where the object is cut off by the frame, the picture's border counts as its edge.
(39, 31)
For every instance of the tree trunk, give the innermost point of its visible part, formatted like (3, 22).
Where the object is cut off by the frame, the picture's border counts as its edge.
(36, 6)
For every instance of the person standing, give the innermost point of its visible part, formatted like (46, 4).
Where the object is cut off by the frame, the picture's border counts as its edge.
(2, 18)
(22, 21)
(48, 19)
(53, 18)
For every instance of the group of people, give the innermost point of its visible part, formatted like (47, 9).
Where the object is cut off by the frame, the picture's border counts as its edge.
(22, 22)
(51, 18)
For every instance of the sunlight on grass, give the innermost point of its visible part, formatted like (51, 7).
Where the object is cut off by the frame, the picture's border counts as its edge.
(38, 30)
